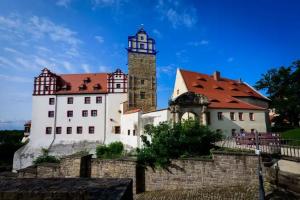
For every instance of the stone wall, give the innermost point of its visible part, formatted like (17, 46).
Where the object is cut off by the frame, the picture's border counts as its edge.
(230, 169)
(114, 169)
(69, 166)
(224, 169)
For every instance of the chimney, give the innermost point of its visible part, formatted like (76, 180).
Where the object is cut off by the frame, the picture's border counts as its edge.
(240, 81)
(217, 76)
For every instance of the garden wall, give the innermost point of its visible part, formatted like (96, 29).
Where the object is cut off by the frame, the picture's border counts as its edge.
(228, 169)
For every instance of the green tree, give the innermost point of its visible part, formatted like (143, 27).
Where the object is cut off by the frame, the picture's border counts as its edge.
(282, 85)
(165, 142)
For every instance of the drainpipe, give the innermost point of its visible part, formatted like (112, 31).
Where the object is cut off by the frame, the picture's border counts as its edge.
(54, 124)
(105, 120)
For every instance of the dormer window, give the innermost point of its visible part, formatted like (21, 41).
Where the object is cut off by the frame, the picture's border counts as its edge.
(142, 37)
(97, 87)
(215, 100)
(218, 88)
(201, 79)
(197, 85)
(82, 87)
(87, 80)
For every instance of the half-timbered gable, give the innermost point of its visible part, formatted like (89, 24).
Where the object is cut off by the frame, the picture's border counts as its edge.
(45, 83)
(117, 82)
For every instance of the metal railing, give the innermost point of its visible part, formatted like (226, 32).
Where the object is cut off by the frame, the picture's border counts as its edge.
(269, 143)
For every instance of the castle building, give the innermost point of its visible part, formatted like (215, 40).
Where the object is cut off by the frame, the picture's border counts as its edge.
(75, 112)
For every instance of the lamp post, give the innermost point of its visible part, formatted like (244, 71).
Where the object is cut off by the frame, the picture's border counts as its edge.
(259, 170)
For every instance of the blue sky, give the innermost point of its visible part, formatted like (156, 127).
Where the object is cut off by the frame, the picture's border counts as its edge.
(241, 39)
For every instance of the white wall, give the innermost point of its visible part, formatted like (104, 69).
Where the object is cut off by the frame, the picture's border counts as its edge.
(78, 120)
(113, 115)
(131, 122)
(179, 87)
(40, 120)
(226, 125)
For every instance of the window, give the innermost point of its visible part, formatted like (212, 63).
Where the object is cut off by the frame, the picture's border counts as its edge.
(117, 130)
(133, 132)
(48, 130)
(94, 113)
(51, 101)
(142, 82)
(142, 46)
(79, 130)
(58, 130)
(69, 130)
(220, 116)
(91, 129)
(84, 113)
(233, 132)
(70, 100)
(118, 85)
(252, 130)
(232, 116)
(128, 132)
(46, 87)
(242, 130)
(241, 116)
(87, 100)
(98, 99)
(251, 116)
(219, 131)
(70, 113)
(177, 92)
(50, 113)
(142, 37)
(208, 118)
(142, 95)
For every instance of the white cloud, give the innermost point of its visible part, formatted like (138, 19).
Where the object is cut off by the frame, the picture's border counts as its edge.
(99, 38)
(157, 33)
(177, 14)
(103, 68)
(167, 69)
(86, 68)
(198, 43)
(18, 79)
(63, 3)
(112, 3)
(230, 59)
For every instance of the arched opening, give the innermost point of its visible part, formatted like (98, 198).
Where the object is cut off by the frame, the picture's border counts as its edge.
(189, 116)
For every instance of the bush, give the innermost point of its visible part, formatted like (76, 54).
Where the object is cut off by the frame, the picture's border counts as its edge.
(185, 139)
(113, 150)
(10, 142)
(45, 158)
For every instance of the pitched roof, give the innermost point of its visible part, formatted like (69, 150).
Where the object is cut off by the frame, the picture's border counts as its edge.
(89, 83)
(222, 93)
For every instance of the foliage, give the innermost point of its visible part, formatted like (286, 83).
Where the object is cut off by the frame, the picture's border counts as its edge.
(168, 142)
(113, 150)
(10, 141)
(283, 87)
(45, 158)
(292, 134)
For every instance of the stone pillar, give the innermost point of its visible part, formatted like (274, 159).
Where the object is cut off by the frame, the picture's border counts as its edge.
(204, 117)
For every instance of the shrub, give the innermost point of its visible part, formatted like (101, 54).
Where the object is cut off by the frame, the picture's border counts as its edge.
(45, 158)
(113, 150)
(185, 139)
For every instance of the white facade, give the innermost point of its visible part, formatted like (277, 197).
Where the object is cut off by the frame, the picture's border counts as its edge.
(226, 125)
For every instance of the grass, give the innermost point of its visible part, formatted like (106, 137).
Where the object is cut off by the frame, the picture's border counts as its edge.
(293, 135)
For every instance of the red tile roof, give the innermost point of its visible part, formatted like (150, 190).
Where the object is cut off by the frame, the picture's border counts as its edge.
(221, 93)
(76, 80)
